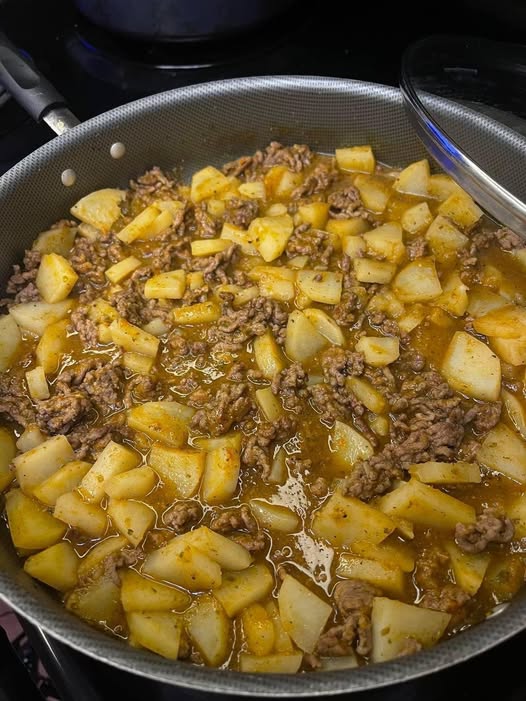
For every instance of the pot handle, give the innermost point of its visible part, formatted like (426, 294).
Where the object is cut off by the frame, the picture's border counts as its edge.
(32, 90)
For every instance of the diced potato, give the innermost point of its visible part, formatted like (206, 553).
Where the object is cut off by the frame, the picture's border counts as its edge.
(37, 316)
(115, 458)
(374, 192)
(30, 526)
(10, 340)
(516, 411)
(209, 629)
(132, 338)
(59, 240)
(157, 327)
(348, 446)
(278, 469)
(200, 313)
(454, 297)
(303, 614)
(132, 519)
(344, 520)
(141, 227)
(344, 228)
(92, 564)
(516, 511)
(395, 554)
(418, 281)
(378, 271)
(161, 222)
(132, 484)
(242, 295)
(36, 465)
(414, 179)
(158, 631)
(444, 239)
(356, 158)
(504, 451)
(101, 311)
(280, 181)
(56, 566)
(258, 630)
(325, 325)
(469, 569)
(332, 664)
(442, 186)
(209, 247)
(120, 271)
(86, 231)
(182, 564)
(221, 475)
(37, 384)
(504, 322)
(238, 235)
(388, 577)
(52, 345)
(472, 368)
(137, 363)
(510, 350)
(386, 301)
(195, 279)
(491, 276)
(100, 209)
(268, 356)
(139, 593)
(253, 190)
(64, 480)
(231, 440)
(394, 623)
(386, 241)
(504, 577)
(274, 516)
(302, 341)
(417, 218)
(160, 421)
(282, 641)
(270, 664)
(414, 316)
(379, 424)
(181, 470)
(228, 554)
(241, 589)
(314, 213)
(98, 603)
(379, 351)
(324, 287)
(276, 288)
(461, 209)
(446, 472)
(77, 513)
(353, 246)
(367, 394)
(269, 404)
(269, 235)
(7, 453)
(426, 506)
(208, 182)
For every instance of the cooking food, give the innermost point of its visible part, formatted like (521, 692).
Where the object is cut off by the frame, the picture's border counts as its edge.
(272, 420)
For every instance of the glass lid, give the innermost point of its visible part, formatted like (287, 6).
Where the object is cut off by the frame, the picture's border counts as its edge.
(466, 97)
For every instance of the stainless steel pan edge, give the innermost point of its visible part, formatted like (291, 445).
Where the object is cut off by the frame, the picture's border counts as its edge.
(194, 126)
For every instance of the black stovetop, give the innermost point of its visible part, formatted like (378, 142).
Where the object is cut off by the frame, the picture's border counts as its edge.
(96, 72)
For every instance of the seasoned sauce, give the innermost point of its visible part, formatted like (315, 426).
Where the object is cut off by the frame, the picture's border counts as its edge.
(273, 420)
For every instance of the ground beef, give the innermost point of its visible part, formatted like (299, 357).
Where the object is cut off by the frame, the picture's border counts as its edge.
(241, 212)
(216, 268)
(60, 413)
(320, 487)
(431, 576)
(141, 388)
(91, 440)
(196, 295)
(244, 166)
(296, 157)
(14, 402)
(171, 255)
(338, 364)
(346, 203)
(298, 465)
(180, 347)
(481, 240)
(346, 312)
(254, 543)
(237, 326)
(21, 284)
(354, 600)
(86, 329)
(99, 379)
(291, 386)
(125, 558)
(413, 360)
(183, 516)
(409, 647)
(492, 526)
(89, 260)
(387, 326)
(314, 243)
(234, 520)
(256, 449)
(508, 240)
(153, 185)
(449, 599)
(224, 406)
(484, 416)
(318, 181)
(333, 403)
(417, 248)
(205, 226)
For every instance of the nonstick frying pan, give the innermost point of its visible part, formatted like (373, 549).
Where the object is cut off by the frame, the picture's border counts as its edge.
(193, 126)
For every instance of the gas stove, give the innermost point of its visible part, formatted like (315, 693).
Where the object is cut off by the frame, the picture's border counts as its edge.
(96, 71)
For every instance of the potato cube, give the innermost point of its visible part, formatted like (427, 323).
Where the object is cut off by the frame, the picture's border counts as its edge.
(356, 158)
(55, 278)
(59, 240)
(208, 182)
(180, 470)
(413, 317)
(132, 338)
(10, 341)
(221, 475)
(414, 180)
(253, 190)
(270, 664)
(269, 404)
(100, 209)
(56, 566)
(160, 421)
(348, 446)
(324, 287)
(137, 363)
(209, 629)
(442, 186)
(325, 325)
(132, 519)
(268, 355)
(169, 285)
(209, 247)
(241, 589)
(347, 227)
(367, 394)
(278, 469)
(276, 288)
(302, 341)
(92, 564)
(353, 246)
(30, 526)
(374, 192)
(98, 603)
(394, 623)
(270, 235)
(510, 350)
(64, 480)
(472, 368)
(141, 226)
(417, 218)
(386, 241)
(282, 641)
(228, 554)
(504, 451)
(461, 209)
(454, 297)
(343, 520)
(121, 270)
(516, 511)
(378, 271)
(446, 472)
(200, 313)
(394, 554)
(180, 563)
(132, 484)
(7, 453)
(280, 182)
(36, 465)
(469, 569)
(388, 577)
(114, 458)
(158, 631)
(258, 630)
(417, 281)
(314, 213)
(275, 516)
(52, 346)
(504, 322)
(230, 440)
(140, 593)
(37, 384)
(37, 316)
(303, 613)
(238, 235)
(77, 513)
(242, 295)
(378, 424)
(445, 240)
(516, 411)
(379, 351)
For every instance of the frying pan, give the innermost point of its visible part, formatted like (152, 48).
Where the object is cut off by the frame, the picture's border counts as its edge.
(194, 126)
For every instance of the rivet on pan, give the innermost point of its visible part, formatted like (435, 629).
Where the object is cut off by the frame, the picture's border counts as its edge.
(68, 177)
(117, 150)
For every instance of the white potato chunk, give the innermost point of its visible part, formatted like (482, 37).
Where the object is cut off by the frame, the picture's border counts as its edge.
(325, 325)
(356, 158)
(243, 238)
(228, 554)
(268, 355)
(303, 613)
(37, 316)
(302, 341)
(56, 566)
(504, 322)
(30, 526)
(65, 479)
(10, 340)
(143, 226)
(510, 350)
(386, 241)
(314, 213)
(92, 564)
(158, 631)
(133, 519)
(140, 593)
(516, 411)
(161, 421)
(454, 297)
(59, 240)
(253, 190)
(115, 458)
(444, 239)
(98, 603)
(374, 192)
(258, 630)
(516, 511)
(417, 218)
(36, 465)
(387, 576)
(170, 285)
(55, 278)
(367, 394)
(268, 403)
(52, 346)
(412, 318)
(504, 451)
(100, 209)
(414, 179)
(208, 182)
(37, 384)
(321, 286)
(442, 186)
(241, 589)
(209, 629)
(132, 338)
(377, 271)
(221, 475)
(194, 314)
(348, 446)
(461, 209)
(270, 235)
(137, 363)
(7, 453)
(393, 553)
(417, 282)
(447, 472)
(469, 569)
(182, 564)
(379, 351)
(270, 664)
(353, 246)
(77, 513)
(275, 516)
(121, 270)
(132, 484)
(472, 368)
(180, 470)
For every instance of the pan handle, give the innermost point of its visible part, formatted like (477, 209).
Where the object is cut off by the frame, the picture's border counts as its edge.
(32, 90)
